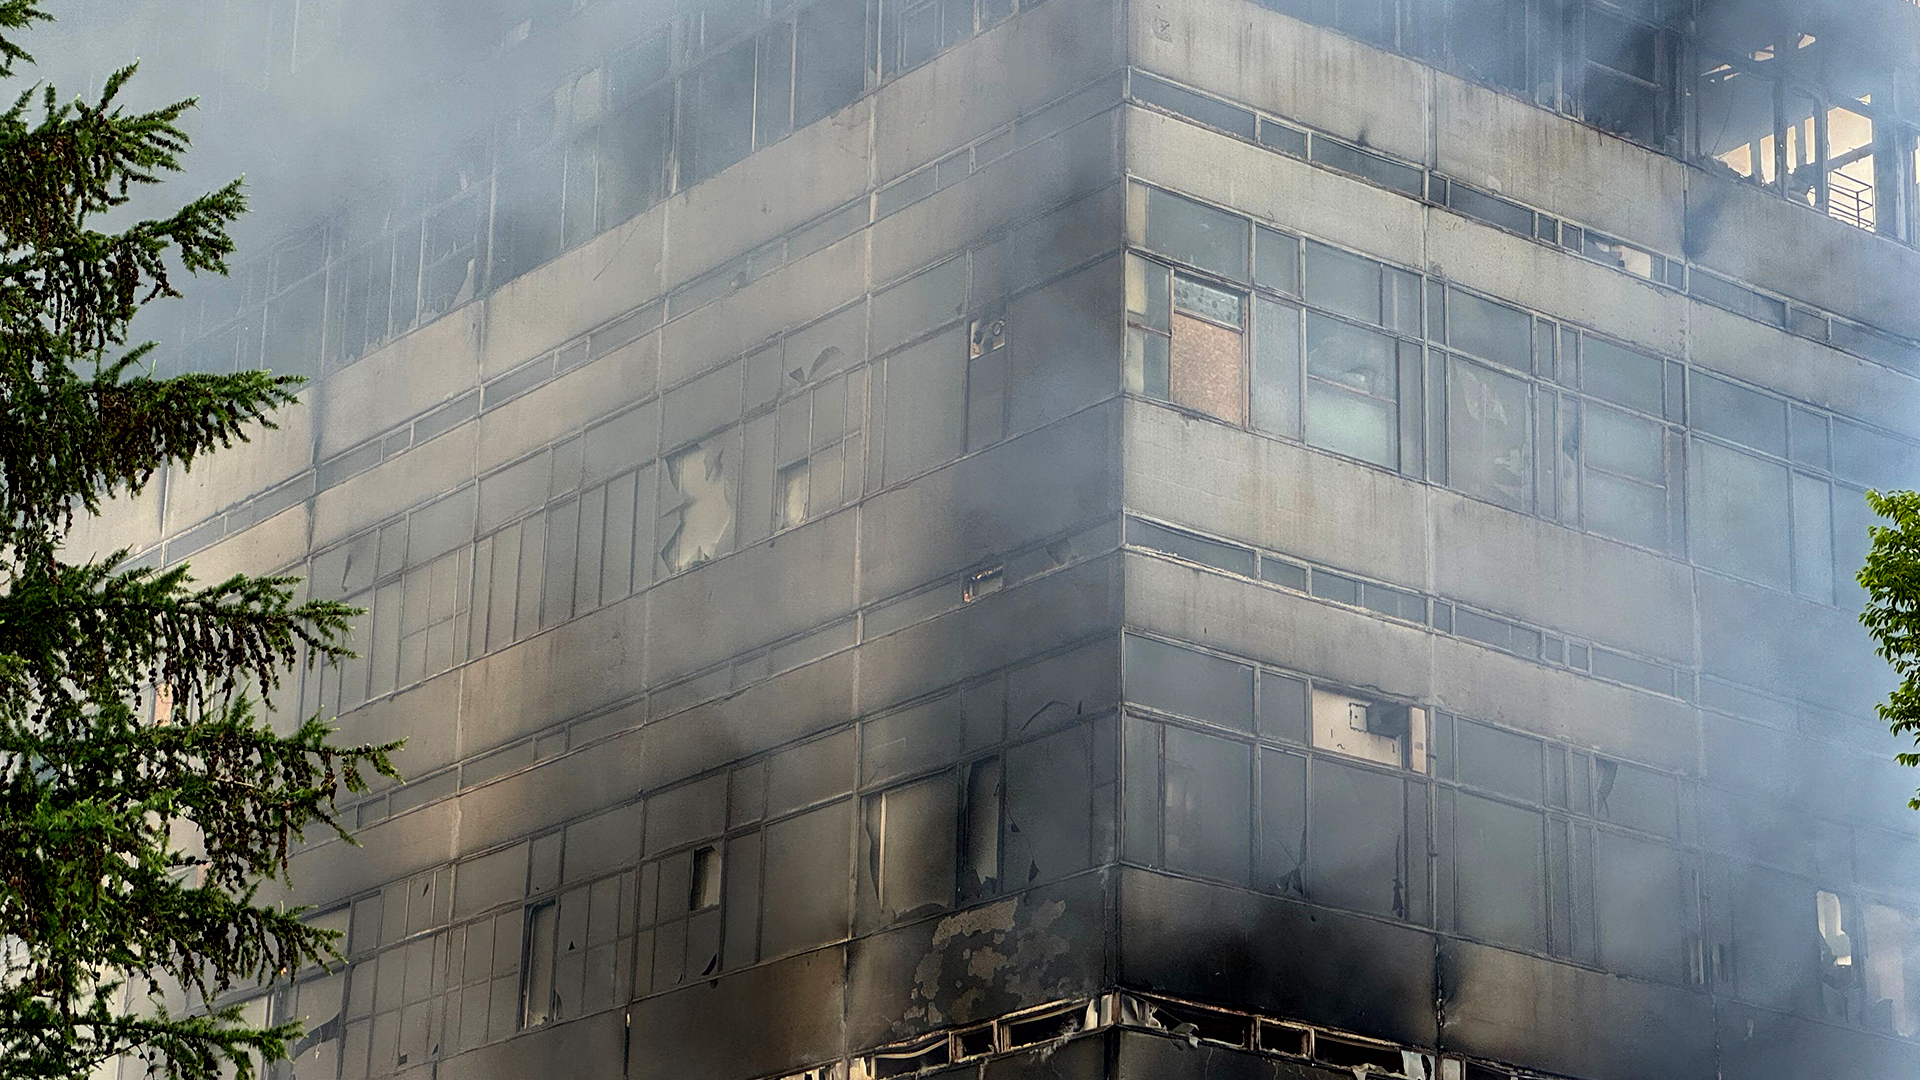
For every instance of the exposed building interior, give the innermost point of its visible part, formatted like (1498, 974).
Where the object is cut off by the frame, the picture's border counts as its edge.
(1084, 538)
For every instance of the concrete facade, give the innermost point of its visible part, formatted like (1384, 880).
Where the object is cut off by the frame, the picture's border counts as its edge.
(1140, 539)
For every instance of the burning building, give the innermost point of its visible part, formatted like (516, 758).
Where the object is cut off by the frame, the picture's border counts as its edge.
(1082, 539)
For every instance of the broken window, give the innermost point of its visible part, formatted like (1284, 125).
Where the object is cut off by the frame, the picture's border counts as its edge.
(1735, 103)
(910, 837)
(1489, 434)
(980, 830)
(634, 143)
(1892, 977)
(987, 382)
(526, 214)
(1357, 851)
(1383, 732)
(536, 1006)
(1049, 822)
(698, 506)
(1625, 75)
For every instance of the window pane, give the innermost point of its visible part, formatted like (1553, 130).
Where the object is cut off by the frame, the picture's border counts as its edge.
(1812, 539)
(1276, 261)
(1622, 376)
(1283, 822)
(1625, 510)
(1642, 916)
(1147, 298)
(1739, 415)
(718, 127)
(1740, 514)
(1208, 805)
(806, 889)
(1347, 423)
(1498, 761)
(1198, 235)
(1500, 884)
(1489, 435)
(1350, 356)
(1619, 44)
(1358, 823)
(1276, 367)
(1188, 683)
(633, 157)
(1625, 444)
(1343, 282)
(831, 58)
(1490, 331)
(1198, 298)
(1870, 457)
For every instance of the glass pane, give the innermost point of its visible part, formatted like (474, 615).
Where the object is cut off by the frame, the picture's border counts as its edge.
(1198, 235)
(1812, 539)
(1355, 853)
(1343, 282)
(1739, 414)
(1490, 331)
(1625, 510)
(1350, 356)
(1489, 435)
(1188, 683)
(1500, 891)
(1622, 376)
(1624, 444)
(1208, 805)
(1276, 367)
(1350, 424)
(1276, 261)
(1198, 298)
(1740, 514)
(1147, 299)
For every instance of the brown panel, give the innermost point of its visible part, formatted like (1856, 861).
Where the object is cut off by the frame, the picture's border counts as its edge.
(1208, 369)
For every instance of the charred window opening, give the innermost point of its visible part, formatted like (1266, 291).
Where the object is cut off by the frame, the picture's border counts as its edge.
(933, 843)
(1368, 1057)
(1869, 963)
(536, 1000)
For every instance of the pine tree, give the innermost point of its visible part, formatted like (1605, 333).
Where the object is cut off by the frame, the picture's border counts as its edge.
(133, 839)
